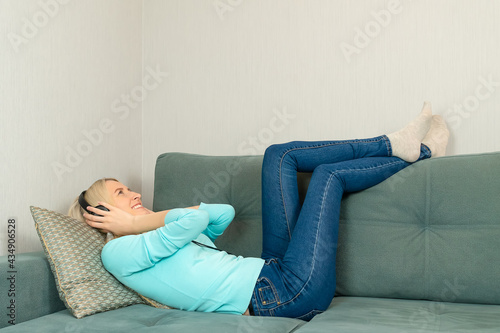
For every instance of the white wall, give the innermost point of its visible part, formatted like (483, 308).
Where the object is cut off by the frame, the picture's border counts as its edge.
(233, 67)
(232, 63)
(57, 81)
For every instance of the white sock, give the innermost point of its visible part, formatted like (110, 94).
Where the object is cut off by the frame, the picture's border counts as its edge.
(405, 143)
(437, 137)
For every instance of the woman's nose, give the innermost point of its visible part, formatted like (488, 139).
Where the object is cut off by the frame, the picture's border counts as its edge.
(136, 195)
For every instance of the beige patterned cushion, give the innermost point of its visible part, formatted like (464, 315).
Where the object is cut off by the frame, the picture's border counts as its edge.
(73, 250)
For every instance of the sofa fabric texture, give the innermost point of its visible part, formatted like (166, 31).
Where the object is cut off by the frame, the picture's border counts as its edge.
(419, 252)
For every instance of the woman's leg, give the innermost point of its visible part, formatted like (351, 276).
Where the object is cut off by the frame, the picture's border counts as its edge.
(298, 278)
(280, 198)
(302, 283)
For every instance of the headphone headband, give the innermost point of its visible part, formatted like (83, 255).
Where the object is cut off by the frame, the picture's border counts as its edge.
(83, 203)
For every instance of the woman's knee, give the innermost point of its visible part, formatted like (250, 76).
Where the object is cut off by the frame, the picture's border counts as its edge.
(274, 155)
(325, 170)
(328, 174)
(274, 150)
(280, 151)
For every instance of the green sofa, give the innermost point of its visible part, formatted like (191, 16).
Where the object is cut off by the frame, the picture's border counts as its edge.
(419, 252)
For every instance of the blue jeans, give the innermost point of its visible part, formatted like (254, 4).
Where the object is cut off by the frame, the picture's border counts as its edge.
(300, 241)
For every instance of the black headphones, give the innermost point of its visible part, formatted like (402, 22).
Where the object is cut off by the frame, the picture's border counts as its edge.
(85, 204)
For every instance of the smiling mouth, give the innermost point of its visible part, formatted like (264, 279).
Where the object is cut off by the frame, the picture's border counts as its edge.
(137, 206)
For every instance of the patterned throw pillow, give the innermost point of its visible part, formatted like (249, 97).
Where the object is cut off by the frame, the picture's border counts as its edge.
(73, 250)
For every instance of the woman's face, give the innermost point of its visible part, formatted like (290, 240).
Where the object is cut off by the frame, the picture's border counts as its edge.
(126, 199)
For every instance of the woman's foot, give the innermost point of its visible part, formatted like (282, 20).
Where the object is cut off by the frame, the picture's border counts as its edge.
(406, 142)
(437, 137)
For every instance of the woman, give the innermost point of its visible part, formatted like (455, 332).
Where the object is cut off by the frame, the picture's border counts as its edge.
(296, 275)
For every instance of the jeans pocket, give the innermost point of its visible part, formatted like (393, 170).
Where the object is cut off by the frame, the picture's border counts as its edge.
(267, 292)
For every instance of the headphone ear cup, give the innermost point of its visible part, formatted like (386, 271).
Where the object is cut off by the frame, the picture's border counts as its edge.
(84, 204)
(101, 207)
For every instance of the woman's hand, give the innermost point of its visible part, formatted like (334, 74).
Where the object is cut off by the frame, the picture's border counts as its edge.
(116, 221)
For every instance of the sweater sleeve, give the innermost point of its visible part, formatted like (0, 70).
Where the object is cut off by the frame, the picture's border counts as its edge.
(129, 254)
(220, 216)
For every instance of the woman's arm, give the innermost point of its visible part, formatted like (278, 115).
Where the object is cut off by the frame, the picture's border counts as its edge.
(128, 255)
(121, 223)
(144, 223)
(221, 216)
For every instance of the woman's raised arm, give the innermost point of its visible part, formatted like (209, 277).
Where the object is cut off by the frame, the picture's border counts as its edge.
(121, 223)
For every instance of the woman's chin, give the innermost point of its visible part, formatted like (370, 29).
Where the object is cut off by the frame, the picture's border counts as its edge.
(141, 211)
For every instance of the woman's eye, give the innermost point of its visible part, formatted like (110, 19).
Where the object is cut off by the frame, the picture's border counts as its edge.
(120, 192)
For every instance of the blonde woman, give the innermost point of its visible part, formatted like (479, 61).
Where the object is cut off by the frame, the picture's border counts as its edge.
(109, 190)
(295, 277)
(100, 191)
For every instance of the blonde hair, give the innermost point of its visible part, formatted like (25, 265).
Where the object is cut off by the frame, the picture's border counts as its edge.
(95, 193)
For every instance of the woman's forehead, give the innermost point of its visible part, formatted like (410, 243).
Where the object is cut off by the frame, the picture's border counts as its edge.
(112, 185)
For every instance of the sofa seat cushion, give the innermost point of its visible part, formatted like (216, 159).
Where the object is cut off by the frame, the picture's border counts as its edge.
(364, 314)
(144, 318)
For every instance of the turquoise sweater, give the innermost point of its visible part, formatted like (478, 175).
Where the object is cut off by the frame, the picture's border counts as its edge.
(164, 265)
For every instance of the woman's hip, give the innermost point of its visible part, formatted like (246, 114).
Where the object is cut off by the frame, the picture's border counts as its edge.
(279, 292)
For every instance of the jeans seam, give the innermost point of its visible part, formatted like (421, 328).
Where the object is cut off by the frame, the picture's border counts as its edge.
(316, 238)
(315, 244)
(388, 144)
(376, 139)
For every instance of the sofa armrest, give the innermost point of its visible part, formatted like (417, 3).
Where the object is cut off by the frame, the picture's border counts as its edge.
(29, 291)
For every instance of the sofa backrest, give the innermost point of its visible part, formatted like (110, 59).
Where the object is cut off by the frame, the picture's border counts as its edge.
(183, 180)
(432, 231)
